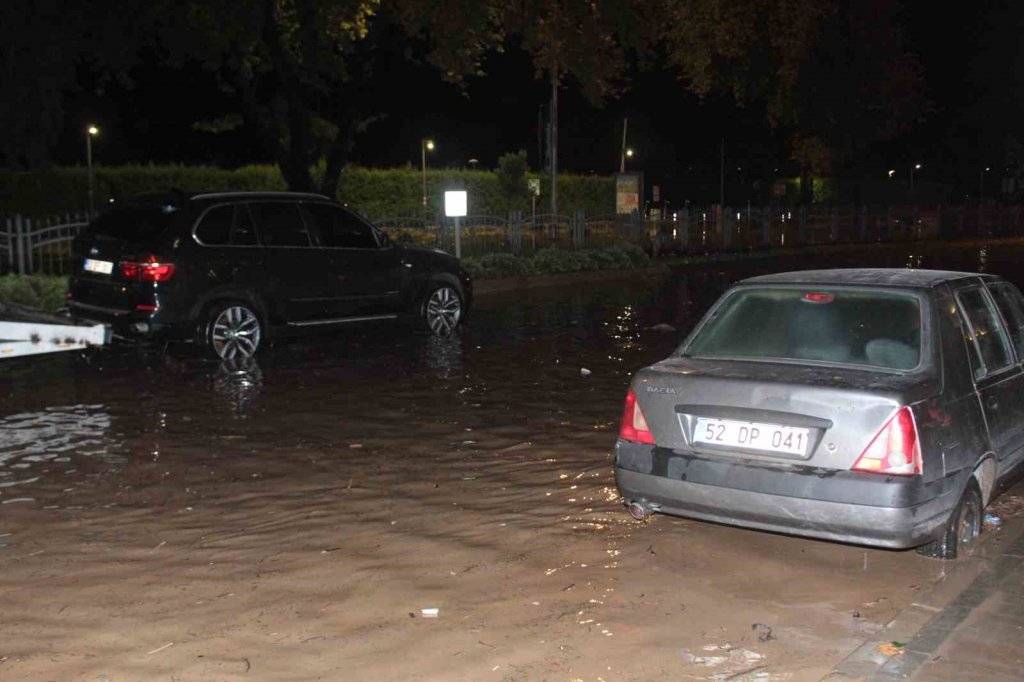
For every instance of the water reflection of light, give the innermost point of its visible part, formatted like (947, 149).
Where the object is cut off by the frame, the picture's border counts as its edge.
(239, 381)
(443, 354)
(624, 331)
(56, 434)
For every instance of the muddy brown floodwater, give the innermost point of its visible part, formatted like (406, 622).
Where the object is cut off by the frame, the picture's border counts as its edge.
(163, 517)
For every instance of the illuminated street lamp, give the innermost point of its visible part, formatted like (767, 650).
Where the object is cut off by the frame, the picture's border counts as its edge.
(915, 167)
(90, 132)
(425, 146)
(981, 183)
(892, 172)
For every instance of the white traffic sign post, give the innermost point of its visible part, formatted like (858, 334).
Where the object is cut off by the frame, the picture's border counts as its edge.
(455, 207)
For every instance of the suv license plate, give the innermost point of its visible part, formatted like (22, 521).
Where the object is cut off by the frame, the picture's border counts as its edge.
(791, 440)
(102, 267)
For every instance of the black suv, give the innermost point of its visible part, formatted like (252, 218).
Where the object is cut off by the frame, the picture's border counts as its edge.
(228, 269)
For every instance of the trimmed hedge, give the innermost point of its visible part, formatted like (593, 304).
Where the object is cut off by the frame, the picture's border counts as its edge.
(557, 261)
(377, 192)
(36, 291)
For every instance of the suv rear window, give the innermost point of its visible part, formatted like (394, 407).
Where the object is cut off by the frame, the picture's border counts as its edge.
(134, 223)
(837, 326)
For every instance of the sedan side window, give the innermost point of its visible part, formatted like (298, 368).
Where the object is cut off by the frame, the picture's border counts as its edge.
(280, 224)
(985, 331)
(341, 229)
(1011, 305)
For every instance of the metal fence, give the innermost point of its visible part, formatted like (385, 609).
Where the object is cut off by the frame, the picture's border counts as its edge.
(517, 233)
(44, 245)
(39, 245)
(713, 229)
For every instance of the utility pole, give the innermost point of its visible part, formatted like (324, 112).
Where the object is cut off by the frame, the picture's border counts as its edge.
(721, 175)
(540, 136)
(622, 157)
(553, 149)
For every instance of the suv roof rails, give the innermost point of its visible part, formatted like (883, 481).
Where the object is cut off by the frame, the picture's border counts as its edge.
(215, 195)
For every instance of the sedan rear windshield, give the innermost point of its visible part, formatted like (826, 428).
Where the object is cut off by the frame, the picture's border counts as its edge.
(134, 223)
(834, 326)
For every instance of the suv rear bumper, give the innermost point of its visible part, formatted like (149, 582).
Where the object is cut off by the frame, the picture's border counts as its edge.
(903, 512)
(126, 323)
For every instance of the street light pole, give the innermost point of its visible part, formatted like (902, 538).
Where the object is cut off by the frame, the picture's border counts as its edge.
(622, 157)
(425, 144)
(981, 183)
(90, 132)
(913, 168)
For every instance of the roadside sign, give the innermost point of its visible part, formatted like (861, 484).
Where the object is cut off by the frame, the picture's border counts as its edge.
(628, 189)
(455, 203)
(534, 184)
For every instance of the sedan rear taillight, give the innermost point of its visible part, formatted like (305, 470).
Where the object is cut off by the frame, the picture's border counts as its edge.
(149, 268)
(634, 426)
(895, 450)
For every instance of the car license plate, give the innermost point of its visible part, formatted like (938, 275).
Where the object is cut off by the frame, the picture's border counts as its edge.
(102, 267)
(752, 435)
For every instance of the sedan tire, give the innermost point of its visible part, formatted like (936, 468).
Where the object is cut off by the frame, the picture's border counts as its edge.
(962, 529)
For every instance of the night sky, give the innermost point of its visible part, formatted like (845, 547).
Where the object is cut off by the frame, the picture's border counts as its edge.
(971, 52)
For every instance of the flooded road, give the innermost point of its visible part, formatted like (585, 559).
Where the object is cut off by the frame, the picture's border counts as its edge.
(165, 517)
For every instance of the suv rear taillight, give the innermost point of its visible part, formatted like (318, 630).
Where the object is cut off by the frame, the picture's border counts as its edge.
(634, 426)
(149, 268)
(895, 450)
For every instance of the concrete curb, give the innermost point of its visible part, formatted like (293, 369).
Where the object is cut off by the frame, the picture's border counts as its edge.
(925, 624)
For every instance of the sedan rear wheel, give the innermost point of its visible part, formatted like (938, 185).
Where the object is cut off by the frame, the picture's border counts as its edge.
(233, 331)
(962, 530)
(442, 310)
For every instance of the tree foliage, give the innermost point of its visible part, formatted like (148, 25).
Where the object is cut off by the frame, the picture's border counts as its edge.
(511, 176)
(304, 73)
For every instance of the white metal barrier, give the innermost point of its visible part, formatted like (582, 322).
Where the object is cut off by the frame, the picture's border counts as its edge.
(21, 335)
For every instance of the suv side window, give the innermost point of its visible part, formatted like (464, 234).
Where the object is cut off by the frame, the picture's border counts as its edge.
(215, 227)
(339, 228)
(280, 224)
(1011, 305)
(227, 224)
(986, 331)
(243, 233)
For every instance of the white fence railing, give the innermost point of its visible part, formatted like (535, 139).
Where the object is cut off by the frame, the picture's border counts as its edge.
(41, 245)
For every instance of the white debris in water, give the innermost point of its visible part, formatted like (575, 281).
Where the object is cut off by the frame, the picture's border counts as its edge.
(584, 372)
(13, 500)
(8, 484)
(432, 612)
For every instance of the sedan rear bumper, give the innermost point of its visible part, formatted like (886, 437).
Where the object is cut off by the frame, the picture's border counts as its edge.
(887, 525)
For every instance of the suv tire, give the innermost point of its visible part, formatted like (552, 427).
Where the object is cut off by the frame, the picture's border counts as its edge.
(232, 330)
(441, 309)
